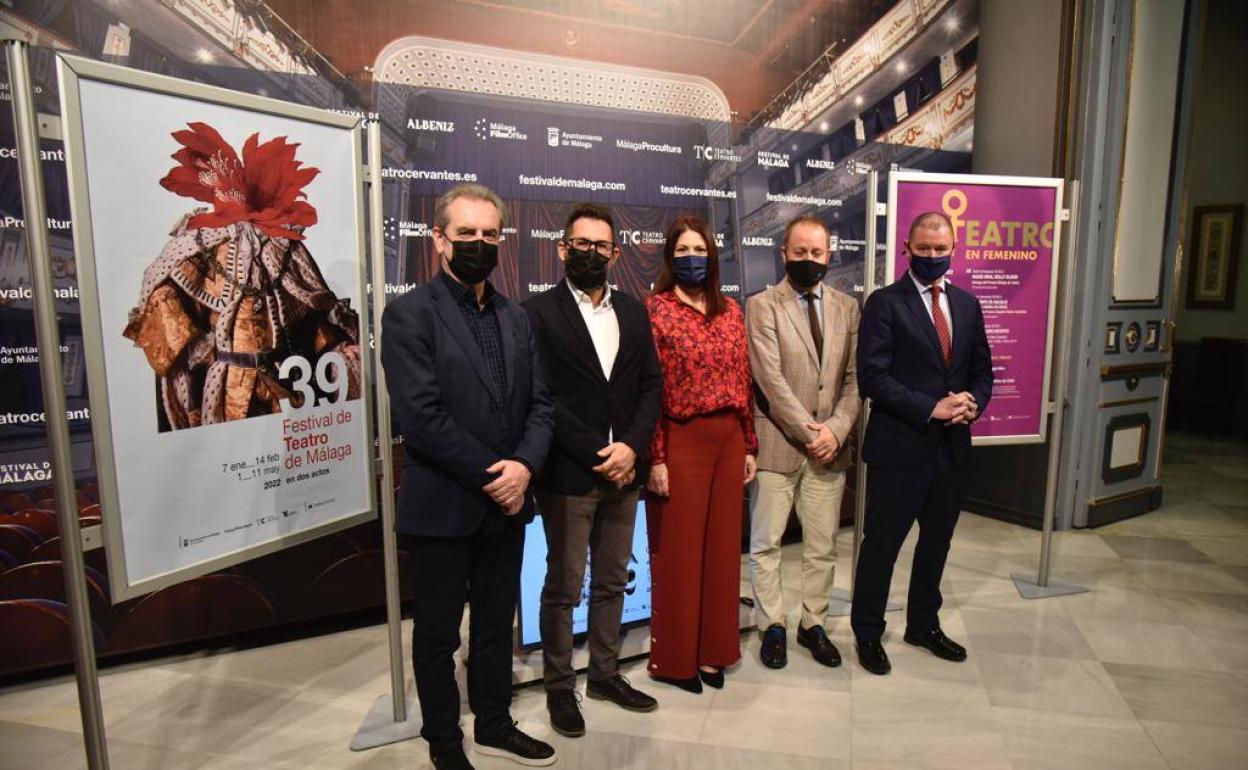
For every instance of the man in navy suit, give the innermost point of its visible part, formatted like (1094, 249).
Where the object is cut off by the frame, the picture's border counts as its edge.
(465, 385)
(924, 362)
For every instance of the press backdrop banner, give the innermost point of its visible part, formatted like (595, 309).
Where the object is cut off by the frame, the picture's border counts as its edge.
(220, 243)
(1006, 232)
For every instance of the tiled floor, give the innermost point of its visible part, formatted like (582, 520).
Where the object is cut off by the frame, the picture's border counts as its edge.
(1148, 670)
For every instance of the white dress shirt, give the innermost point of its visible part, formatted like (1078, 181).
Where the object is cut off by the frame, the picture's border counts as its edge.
(925, 292)
(604, 327)
(817, 290)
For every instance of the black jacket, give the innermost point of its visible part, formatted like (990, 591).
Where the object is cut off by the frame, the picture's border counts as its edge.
(901, 369)
(586, 403)
(440, 393)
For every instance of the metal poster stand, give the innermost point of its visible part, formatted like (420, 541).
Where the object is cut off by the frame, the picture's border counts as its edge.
(391, 718)
(1042, 587)
(51, 374)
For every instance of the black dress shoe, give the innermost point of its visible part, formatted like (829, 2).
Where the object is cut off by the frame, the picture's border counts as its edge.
(511, 743)
(692, 684)
(565, 713)
(712, 678)
(940, 645)
(873, 658)
(821, 648)
(775, 652)
(621, 693)
(449, 756)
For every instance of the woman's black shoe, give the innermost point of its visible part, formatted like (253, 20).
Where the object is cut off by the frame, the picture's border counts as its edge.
(712, 678)
(692, 684)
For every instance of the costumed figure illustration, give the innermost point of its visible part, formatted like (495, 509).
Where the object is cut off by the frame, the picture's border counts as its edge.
(235, 291)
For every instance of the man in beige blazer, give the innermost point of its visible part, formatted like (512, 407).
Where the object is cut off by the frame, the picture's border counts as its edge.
(803, 339)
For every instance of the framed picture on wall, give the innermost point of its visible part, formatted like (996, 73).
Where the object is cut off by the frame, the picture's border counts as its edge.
(1215, 256)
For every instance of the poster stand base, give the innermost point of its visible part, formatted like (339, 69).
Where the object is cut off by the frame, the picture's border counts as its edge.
(1028, 588)
(841, 603)
(380, 729)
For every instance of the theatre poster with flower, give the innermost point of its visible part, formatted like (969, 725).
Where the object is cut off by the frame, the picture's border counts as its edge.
(222, 291)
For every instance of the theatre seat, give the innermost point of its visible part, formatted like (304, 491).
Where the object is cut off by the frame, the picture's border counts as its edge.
(11, 502)
(356, 582)
(7, 562)
(287, 574)
(213, 605)
(46, 580)
(91, 490)
(90, 509)
(37, 634)
(18, 540)
(50, 550)
(40, 520)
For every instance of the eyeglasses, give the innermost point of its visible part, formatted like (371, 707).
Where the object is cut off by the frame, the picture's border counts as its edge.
(605, 248)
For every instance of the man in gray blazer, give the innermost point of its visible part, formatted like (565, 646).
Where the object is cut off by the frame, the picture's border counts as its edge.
(803, 339)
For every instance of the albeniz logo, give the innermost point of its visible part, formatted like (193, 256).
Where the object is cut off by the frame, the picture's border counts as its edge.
(827, 165)
(488, 129)
(773, 159)
(442, 126)
(757, 240)
(641, 237)
(713, 154)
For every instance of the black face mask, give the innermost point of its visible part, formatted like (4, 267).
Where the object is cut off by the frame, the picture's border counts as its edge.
(805, 273)
(473, 261)
(586, 268)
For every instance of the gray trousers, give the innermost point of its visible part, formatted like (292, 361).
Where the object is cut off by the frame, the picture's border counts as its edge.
(600, 523)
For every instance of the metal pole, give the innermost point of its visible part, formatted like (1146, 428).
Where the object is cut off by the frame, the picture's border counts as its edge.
(1057, 398)
(868, 286)
(384, 436)
(53, 380)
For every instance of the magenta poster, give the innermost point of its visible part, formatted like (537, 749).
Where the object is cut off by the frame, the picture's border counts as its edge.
(1005, 231)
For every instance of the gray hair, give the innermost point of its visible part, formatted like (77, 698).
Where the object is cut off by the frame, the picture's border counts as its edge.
(466, 190)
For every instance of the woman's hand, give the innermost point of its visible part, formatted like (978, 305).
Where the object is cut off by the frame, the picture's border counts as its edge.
(658, 480)
(751, 468)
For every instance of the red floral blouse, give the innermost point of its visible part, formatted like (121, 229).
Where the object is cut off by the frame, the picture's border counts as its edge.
(706, 366)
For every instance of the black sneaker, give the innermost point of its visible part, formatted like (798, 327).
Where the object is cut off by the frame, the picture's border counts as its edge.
(821, 648)
(511, 743)
(565, 712)
(449, 756)
(774, 652)
(618, 690)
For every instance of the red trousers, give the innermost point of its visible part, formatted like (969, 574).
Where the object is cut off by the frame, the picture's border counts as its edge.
(695, 548)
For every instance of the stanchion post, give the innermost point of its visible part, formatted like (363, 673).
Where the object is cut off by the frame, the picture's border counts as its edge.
(1041, 587)
(385, 722)
(51, 372)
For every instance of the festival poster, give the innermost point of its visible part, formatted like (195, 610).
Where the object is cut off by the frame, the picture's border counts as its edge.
(227, 267)
(1006, 232)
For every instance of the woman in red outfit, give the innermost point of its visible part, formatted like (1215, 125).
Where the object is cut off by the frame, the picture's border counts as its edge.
(702, 456)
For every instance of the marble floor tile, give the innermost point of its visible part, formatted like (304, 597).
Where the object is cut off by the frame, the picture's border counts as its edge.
(1046, 740)
(1037, 628)
(905, 732)
(1051, 684)
(1119, 604)
(1197, 747)
(1148, 644)
(1157, 694)
(1214, 609)
(1155, 549)
(1228, 646)
(1225, 550)
(807, 722)
(1177, 576)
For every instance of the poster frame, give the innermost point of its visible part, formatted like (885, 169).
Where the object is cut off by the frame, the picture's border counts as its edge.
(71, 70)
(897, 176)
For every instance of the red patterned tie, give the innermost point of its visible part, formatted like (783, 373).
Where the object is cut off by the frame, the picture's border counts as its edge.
(942, 326)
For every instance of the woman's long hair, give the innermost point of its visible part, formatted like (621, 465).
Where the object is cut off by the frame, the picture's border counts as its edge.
(667, 271)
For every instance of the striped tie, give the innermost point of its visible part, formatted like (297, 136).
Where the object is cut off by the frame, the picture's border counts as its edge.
(942, 326)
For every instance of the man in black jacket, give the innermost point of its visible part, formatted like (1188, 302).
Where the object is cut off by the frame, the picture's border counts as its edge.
(924, 361)
(604, 376)
(467, 392)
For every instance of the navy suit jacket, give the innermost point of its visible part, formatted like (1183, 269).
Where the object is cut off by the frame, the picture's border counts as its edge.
(440, 394)
(902, 371)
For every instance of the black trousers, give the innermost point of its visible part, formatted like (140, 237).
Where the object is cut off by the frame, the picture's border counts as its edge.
(932, 494)
(482, 570)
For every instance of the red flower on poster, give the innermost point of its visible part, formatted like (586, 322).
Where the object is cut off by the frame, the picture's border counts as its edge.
(265, 187)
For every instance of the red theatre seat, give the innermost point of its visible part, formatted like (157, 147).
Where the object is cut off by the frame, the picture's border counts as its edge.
(90, 509)
(38, 635)
(213, 605)
(46, 580)
(91, 490)
(18, 540)
(40, 520)
(7, 562)
(356, 582)
(50, 550)
(15, 501)
(287, 573)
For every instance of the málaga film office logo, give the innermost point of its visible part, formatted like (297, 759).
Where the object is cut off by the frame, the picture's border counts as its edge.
(489, 129)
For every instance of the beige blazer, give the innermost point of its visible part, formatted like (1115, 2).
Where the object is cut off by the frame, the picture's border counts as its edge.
(797, 389)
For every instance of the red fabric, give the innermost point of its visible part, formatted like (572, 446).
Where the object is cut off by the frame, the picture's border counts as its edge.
(695, 549)
(706, 367)
(942, 326)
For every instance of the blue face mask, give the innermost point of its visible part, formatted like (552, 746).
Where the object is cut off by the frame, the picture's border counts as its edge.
(929, 268)
(691, 271)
